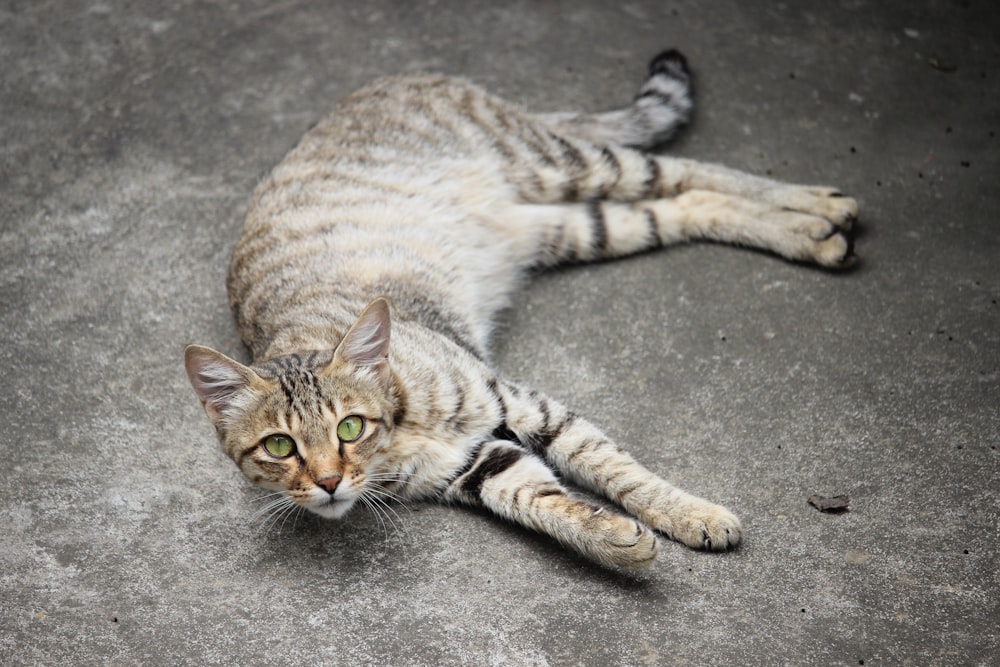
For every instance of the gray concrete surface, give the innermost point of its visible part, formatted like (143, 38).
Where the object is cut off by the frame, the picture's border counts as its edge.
(131, 135)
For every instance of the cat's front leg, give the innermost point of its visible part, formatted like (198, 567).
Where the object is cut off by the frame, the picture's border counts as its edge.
(587, 456)
(513, 483)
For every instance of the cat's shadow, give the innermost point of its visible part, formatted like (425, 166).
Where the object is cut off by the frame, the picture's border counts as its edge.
(362, 547)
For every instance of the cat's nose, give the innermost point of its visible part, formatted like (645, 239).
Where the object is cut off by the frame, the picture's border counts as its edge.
(329, 483)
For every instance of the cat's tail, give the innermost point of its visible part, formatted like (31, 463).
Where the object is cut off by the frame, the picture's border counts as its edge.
(662, 105)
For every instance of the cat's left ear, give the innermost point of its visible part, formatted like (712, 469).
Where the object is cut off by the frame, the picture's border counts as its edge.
(366, 344)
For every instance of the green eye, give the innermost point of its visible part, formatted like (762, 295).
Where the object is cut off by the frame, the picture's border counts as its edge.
(278, 445)
(350, 428)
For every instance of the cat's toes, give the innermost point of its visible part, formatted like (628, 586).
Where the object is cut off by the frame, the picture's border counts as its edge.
(721, 531)
(805, 237)
(708, 526)
(832, 246)
(836, 207)
(824, 202)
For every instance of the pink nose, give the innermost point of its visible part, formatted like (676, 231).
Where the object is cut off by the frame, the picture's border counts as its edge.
(330, 483)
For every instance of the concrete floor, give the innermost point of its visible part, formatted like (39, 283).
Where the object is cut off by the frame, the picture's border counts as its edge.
(130, 139)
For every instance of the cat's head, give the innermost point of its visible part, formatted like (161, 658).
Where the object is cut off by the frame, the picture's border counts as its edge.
(313, 426)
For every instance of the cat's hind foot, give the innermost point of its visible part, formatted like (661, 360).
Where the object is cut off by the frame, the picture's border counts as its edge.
(816, 238)
(698, 524)
(827, 217)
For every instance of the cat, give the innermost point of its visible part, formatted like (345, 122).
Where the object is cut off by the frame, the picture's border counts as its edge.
(419, 205)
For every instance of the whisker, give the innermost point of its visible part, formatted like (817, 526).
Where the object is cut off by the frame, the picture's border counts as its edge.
(273, 505)
(374, 510)
(384, 500)
(266, 496)
(276, 510)
(386, 509)
(399, 478)
(294, 511)
(386, 493)
(378, 483)
(272, 516)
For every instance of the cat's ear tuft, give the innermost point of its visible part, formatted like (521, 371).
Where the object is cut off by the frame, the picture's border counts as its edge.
(366, 344)
(217, 379)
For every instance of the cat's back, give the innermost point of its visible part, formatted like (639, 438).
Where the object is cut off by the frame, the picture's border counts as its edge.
(395, 192)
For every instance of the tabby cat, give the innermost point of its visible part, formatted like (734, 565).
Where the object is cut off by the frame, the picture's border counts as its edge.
(425, 201)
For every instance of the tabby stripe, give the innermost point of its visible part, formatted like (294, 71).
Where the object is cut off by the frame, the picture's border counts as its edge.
(571, 154)
(321, 172)
(315, 393)
(456, 417)
(495, 463)
(538, 143)
(628, 491)
(577, 167)
(653, 229)
(288, 387)
(616, 166)
(613, 476)
(424, 125)
(466, 107)
(275, 468)
(539, 442)
(651, 186)
(599, 226)
(491, 385)
(514, 128)
(667, 99)
(543, 408)
(245, 452)
(555, 244)
(467, 466)
(581, 448)
(503, 432)
(399, 401)
(427, 314)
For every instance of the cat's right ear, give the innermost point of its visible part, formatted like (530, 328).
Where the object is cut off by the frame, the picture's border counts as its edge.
(217, 379)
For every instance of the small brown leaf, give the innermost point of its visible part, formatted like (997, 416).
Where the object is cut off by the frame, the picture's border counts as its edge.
(834, 504)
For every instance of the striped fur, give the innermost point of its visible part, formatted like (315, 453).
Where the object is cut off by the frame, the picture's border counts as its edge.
(429, 194)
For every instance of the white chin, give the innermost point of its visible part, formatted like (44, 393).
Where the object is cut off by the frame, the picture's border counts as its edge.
(334, 510)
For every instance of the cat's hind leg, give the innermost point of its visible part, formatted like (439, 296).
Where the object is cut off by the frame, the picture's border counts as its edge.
(573, 170)
(605, 229)
(514, 484)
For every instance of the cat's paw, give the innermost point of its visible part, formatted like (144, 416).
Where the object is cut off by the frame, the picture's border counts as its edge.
(822, 202)
(621, 541)
(815, 239)
(702, 525)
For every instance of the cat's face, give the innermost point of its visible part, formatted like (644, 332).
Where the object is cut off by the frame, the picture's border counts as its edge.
(314, 427)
